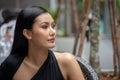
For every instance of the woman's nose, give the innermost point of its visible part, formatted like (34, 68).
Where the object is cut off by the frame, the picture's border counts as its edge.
(52, 32)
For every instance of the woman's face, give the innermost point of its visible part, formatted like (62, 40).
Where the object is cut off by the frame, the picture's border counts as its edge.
(43, 32)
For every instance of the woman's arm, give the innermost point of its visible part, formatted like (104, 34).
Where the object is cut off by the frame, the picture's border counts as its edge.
(71, 67)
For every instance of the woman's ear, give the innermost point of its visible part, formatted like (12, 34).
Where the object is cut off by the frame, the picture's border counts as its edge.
(27, 33)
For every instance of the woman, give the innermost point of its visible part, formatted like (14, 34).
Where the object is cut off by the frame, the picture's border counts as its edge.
(31, 57)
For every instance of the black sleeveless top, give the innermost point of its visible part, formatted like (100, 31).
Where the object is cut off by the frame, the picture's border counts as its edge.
(48, 71)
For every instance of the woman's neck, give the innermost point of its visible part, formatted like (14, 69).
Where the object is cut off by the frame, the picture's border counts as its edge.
(37, 56)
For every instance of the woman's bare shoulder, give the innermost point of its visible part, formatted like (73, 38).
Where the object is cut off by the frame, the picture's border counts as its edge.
(65, 57)
(69, 66)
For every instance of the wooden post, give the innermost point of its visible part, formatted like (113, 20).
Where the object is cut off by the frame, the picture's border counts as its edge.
(77, 25)
(115, 37)
(81, 26)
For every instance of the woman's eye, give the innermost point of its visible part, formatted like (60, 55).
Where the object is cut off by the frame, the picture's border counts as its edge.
(53, 26)
(44, 26)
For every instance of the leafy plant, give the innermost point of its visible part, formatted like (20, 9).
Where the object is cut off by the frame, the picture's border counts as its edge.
(118, 5)
(80, 5)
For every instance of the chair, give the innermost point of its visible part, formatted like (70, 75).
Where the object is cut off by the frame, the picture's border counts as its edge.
(88, 72)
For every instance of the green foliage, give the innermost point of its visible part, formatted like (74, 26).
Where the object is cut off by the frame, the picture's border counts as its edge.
(118, 5)
(61, 32)
(51, 11)
(80, 5)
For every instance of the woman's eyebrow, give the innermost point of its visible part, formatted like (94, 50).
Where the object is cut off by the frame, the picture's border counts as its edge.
(53, 23)
(44, 23)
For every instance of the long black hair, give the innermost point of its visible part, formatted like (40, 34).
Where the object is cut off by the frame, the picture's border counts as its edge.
(25, 20)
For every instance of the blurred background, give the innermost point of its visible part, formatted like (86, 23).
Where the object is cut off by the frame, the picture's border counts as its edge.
(85, 28)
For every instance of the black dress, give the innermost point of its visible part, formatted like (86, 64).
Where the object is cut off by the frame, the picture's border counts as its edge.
(48, 71)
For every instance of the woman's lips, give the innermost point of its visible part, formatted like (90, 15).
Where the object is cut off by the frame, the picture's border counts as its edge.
(52, 40)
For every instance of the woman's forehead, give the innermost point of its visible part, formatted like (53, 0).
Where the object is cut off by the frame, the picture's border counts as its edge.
(45, 17)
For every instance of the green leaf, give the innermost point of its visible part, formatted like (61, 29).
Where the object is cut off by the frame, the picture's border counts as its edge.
(118, 5)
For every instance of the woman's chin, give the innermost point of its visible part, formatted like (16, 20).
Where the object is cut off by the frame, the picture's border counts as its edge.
(51, 45)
